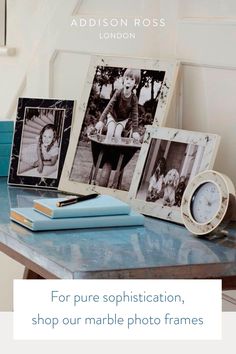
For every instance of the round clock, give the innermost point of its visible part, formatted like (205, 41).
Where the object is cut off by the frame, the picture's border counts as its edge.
(208, 203)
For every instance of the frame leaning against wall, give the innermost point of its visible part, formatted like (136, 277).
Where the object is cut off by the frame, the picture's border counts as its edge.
(41, 138)
(92, 162)
(168, 160)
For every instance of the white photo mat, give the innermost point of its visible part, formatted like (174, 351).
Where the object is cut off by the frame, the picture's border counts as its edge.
(183, 151)
(76, 180)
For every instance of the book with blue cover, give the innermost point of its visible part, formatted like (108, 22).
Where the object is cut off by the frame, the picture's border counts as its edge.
(6, 126)
(35, 221)
(101, 205)
(5, 149)
(4, 165)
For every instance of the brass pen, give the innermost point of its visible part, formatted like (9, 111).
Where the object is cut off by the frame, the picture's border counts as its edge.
(74, 199)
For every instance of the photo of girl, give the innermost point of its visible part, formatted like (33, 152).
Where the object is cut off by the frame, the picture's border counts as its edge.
(47, 149)
(40, 145)
(40, 142)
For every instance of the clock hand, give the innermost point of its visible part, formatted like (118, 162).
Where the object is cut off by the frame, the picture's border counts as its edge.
(207, 201)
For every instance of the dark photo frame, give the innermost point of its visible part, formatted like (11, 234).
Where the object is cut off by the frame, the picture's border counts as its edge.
(41, 138)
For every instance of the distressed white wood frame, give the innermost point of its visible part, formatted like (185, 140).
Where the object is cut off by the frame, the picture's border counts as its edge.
(209, 143)
(171, 73)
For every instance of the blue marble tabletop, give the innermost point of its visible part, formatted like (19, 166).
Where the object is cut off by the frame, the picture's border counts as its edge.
(159, 249)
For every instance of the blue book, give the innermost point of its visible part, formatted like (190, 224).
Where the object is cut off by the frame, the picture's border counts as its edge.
(6, 126)
(4, 165)
(5, 149)
(6, 137)
(101, 205)
(35, 221)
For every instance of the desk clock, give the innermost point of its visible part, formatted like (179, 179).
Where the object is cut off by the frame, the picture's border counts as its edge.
(208, 203)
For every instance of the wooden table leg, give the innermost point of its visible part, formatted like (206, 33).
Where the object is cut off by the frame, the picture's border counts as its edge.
(30, 274)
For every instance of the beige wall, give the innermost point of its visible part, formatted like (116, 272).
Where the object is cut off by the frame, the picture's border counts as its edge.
(48, 62)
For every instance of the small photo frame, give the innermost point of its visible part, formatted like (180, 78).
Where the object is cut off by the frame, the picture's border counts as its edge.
(168, 160)
(121, 96)
(41, 138)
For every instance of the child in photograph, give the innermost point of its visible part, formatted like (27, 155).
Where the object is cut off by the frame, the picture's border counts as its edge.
(44, 152)
(47, 148)
(122, 106)
(156, 182)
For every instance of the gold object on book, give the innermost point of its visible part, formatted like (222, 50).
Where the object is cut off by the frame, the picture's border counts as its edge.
(43, 209)
(21, 219)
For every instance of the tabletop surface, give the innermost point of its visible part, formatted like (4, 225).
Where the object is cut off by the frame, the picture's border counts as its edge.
(106, 252)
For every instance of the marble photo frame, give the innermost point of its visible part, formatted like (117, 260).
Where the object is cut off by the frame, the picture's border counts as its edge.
(94, 163)
(41, 138)
(168, 160)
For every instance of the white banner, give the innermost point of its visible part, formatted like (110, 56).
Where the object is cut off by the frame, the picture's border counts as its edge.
(117, 309)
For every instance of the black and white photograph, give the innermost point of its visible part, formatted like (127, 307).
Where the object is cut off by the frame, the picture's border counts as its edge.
(121, 96)
(40, 141)
(173, 157)
(121, 102)
(42, 137)
(168, 168)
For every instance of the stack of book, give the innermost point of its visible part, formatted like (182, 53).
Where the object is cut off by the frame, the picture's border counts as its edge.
(101, 211)
(6, 133)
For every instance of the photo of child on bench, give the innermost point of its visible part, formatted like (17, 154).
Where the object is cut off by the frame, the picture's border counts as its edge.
(123, 104)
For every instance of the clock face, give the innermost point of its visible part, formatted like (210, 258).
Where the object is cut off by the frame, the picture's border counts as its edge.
(205, 202)
(208, 203)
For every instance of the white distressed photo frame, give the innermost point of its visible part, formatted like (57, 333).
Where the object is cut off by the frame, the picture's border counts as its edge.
(84, 172)
(168, 160)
